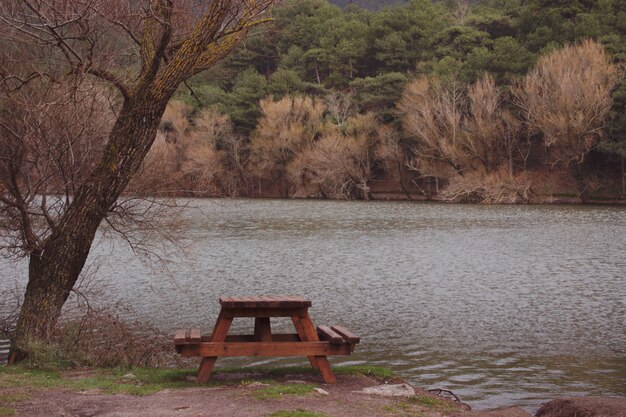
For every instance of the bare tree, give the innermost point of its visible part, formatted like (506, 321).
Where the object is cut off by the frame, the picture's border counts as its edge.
(142, 49)
(567, 98)
(286, 128)
(433, 114)
(341, 164)
(483, 125)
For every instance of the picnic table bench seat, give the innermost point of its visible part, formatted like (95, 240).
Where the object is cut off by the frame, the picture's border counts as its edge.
(315, 343)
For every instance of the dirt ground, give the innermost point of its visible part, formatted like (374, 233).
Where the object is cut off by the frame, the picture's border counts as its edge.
(227, 400)
(342, 400)
(243, 394)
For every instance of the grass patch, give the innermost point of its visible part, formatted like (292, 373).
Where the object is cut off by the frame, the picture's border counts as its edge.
(419, 406)
(6, 411)
(138, 381)
(8, 399)
(375, 371)
(146, 381)
(12, 397)
(277, 391)
(296, 413)
(432, 403)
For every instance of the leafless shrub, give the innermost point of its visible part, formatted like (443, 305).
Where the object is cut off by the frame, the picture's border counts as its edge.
(10, 302)
(92, 333)
(482, 136)
(433, 114)
(492, 188)
(201, 156)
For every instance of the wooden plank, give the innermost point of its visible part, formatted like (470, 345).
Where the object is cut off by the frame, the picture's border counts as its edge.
(216, 349)
(194, 336)
(296, 301)
(346, 334)
(262, 312)
(187, 336)
(262, 329)
(274, 301)
(222, 325)
(179, 337)
(322, 361)
(266, 302)
(248, 302)
(250, 338)
(302, 336)
(326, 333)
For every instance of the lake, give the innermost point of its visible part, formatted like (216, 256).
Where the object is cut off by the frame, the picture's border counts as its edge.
(504, 305)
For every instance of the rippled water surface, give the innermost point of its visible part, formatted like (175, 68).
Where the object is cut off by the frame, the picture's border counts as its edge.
(501, 304)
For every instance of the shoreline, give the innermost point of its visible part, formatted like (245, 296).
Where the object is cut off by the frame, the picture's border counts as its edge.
(250, 392)
(384, 196)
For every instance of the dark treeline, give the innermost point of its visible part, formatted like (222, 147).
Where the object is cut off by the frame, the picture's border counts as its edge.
(328, 102)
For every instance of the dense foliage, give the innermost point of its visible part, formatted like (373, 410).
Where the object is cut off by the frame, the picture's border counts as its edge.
(365, 59)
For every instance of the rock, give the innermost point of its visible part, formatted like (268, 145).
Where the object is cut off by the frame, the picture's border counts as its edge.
(390, 390)
(190, 378)
(321, 391)
(257, 384)
(499, 412)
(584, 407)
(129, 378)
(296, 381)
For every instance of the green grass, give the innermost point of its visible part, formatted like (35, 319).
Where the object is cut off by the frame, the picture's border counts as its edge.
(375, 371)
(12, 397)
(146, 381)
(276, 391)
(296, 413)
(6, 411)
(138, 381)
(6, 400)
(432, 403)
(416, 406)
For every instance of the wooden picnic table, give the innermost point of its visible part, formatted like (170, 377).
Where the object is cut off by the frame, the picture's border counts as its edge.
(308, 341)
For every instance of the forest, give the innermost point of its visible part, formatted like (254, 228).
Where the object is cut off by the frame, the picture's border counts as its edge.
(489, 101)
(493, 101)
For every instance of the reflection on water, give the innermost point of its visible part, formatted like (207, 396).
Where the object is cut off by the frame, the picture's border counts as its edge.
(503, 304)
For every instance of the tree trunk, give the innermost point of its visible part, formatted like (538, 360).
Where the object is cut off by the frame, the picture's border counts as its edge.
(54, 270)
(401, 173)
(623, 179)
(577, 172)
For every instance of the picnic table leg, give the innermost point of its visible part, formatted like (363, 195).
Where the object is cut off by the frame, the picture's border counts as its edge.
(222, 325)
(262, 329)
(300, 330)
(322, 361)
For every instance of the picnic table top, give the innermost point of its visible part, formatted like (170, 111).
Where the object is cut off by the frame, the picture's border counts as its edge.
(274, 301)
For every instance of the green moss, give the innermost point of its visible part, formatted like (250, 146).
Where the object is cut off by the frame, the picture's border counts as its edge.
(276, 391)
(296, 413)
